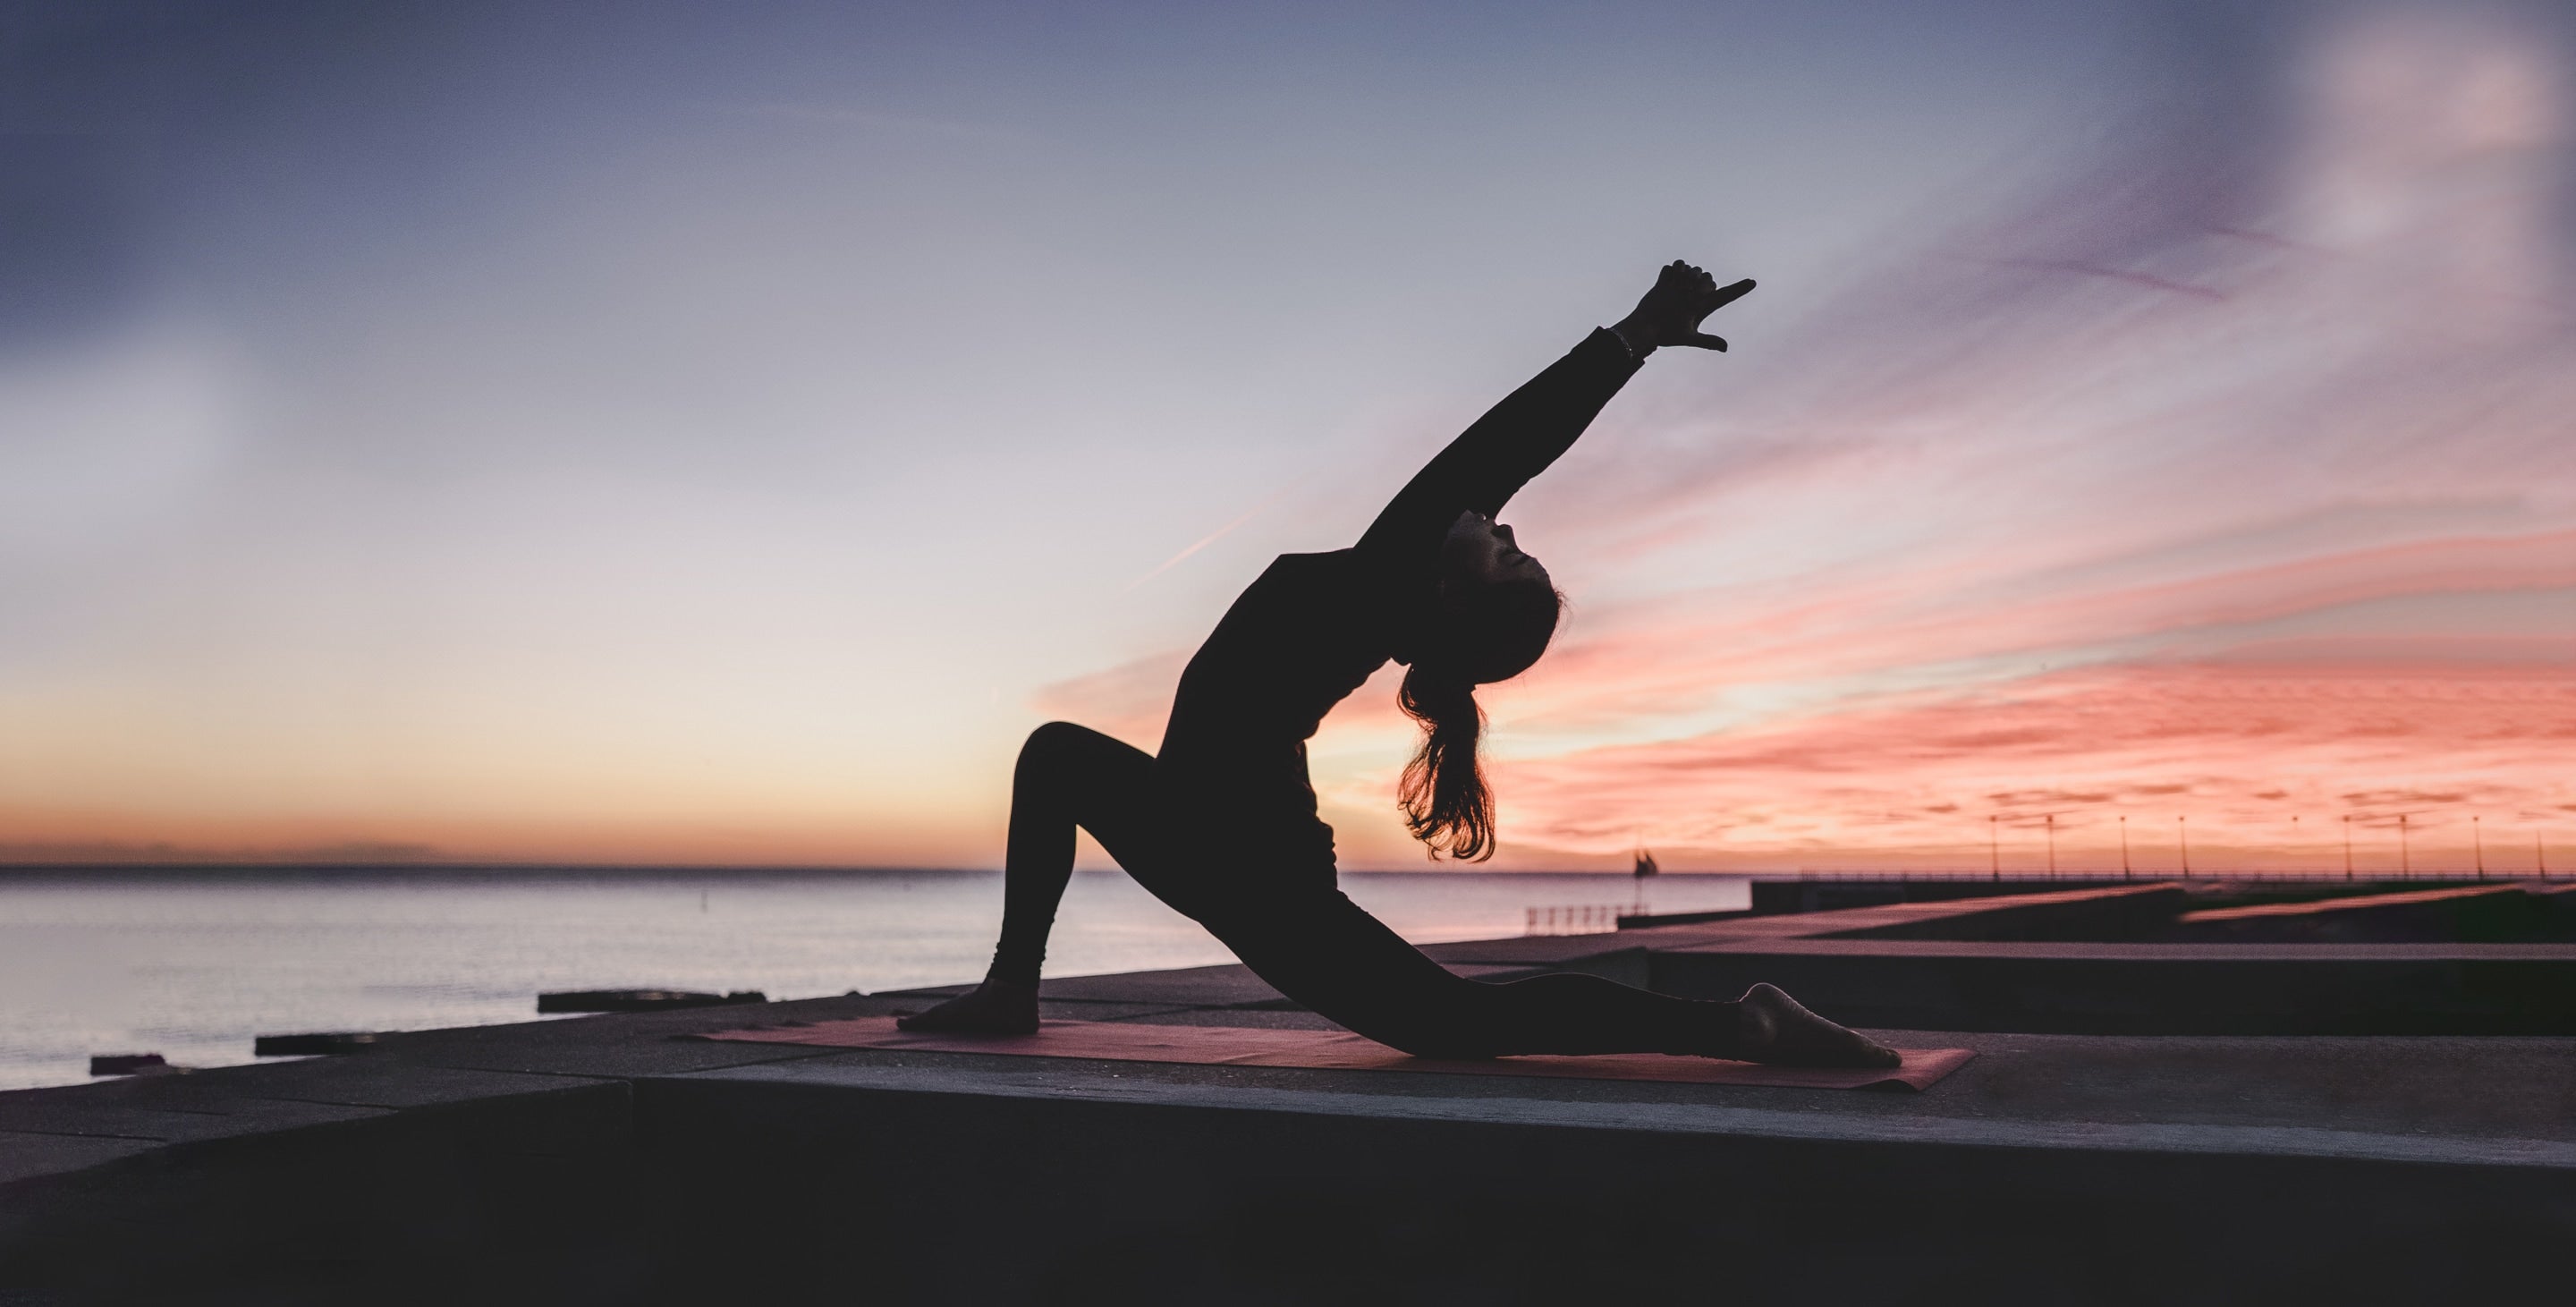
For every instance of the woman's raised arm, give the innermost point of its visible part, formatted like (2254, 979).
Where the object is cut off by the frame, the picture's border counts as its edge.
(1518, 438)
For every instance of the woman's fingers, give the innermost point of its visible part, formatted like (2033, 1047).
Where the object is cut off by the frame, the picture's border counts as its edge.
(1683, 284)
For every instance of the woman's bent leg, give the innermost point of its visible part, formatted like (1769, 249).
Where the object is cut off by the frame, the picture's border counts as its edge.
(1067, 776)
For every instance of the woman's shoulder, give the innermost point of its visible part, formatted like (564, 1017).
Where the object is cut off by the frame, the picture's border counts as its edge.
(1313, 568)
(1331, 579)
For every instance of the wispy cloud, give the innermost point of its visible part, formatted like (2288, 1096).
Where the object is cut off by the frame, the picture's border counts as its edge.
(1267, 501)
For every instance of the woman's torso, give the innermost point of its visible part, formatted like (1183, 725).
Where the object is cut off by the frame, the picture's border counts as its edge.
(1304, 635)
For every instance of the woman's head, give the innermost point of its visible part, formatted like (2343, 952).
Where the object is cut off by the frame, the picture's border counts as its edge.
(1496, 614)
(1497, 609)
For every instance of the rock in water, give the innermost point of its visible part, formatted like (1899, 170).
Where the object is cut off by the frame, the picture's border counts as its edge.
(323, 1045)
(640, 1000)
(126, 1064)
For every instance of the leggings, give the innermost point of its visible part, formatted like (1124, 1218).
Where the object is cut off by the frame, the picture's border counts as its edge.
(1296, 932)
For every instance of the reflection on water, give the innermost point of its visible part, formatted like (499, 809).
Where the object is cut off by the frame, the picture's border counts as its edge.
(192, 967)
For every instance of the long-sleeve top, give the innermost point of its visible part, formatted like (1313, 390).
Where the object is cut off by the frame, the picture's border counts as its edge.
(1314, 626)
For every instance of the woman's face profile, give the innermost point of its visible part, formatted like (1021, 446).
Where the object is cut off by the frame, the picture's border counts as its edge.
(1481, 551)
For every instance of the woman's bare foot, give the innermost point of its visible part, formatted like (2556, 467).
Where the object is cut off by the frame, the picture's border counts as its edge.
(1773, 1027)
(995, 1007)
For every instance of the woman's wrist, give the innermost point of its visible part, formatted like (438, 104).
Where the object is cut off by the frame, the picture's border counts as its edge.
(1637, 336)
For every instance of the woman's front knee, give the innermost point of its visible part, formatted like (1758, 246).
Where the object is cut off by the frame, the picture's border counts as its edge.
(1055, 740)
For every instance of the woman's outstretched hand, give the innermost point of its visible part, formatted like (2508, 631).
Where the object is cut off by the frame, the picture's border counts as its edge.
(1670, 314)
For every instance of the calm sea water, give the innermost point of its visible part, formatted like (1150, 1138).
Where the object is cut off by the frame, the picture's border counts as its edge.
(192, 967)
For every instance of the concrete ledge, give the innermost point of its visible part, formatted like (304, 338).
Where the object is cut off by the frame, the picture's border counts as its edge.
(614, 1160)
(505, 1199)
(1156, 1194)
(2495, 989)
(1520, 1106)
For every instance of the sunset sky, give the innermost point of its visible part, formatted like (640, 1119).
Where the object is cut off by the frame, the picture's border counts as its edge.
(718, 433)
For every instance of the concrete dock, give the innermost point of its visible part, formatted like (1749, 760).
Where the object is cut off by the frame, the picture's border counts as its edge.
(620, 1159)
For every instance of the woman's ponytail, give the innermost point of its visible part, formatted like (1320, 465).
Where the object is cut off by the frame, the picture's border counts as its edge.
(1443, 793)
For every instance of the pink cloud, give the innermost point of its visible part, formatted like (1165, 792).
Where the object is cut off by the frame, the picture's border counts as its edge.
(2239, 751)
(1129, 701)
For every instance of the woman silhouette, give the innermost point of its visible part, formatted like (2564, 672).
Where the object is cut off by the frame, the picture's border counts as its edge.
(1222, 823)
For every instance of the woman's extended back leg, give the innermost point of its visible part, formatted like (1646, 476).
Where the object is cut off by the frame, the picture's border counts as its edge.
(1339, 961)
(1067, 776)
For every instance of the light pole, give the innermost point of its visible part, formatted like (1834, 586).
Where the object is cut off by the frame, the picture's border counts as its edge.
(2052, 844)
(2182, 837)
(2124, 848)
(1994, 849)
(2347, 846)
(2405, 860)
(2478, 842)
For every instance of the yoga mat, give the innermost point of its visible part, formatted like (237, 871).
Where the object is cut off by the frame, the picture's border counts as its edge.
(1341, 1051)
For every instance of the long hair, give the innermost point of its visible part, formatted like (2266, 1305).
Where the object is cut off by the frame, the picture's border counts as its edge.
(1446, 804)
(1493, 635)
